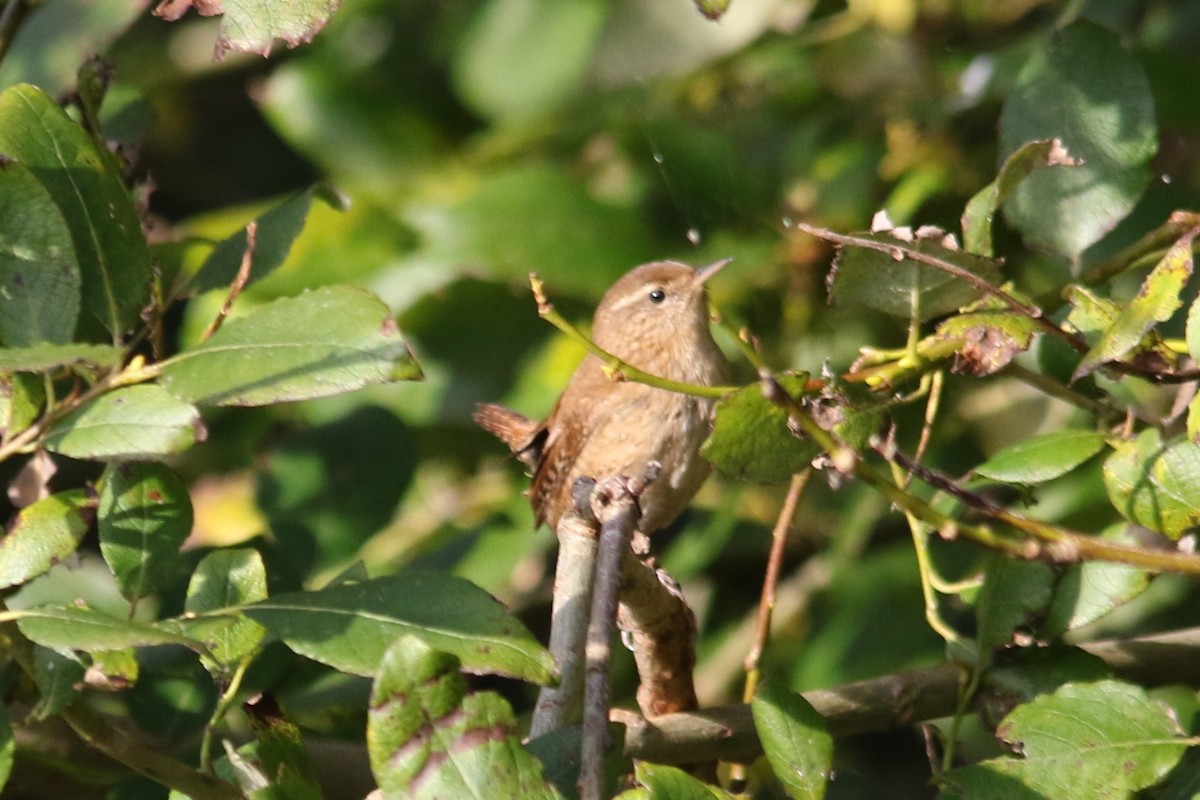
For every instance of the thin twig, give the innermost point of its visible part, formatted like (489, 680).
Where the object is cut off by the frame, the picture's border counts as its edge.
(224, 703)
(239, 281)
(766, 602)
(615, 504)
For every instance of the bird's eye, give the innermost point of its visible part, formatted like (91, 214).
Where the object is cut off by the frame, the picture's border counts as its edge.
(657, 296)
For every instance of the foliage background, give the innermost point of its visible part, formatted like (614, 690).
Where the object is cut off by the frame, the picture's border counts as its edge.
(479, 141)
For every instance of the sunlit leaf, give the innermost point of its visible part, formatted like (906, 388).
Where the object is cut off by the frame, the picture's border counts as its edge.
(44, 534)
(662, 782)
(1157, 301)
(253, 26)
(39, 276)
(135, 422)
(44, 357)
(80, 628)
(226, 578)
(113, 257)
(751, 439)
(981, 209)
(428, 738)
(1103, 740)
(1156, 484)
(1042, 458)
(1087, 89)
(324, 342)
(1089, 591)
(795, 740)
(21, 399)
(349, 626)
(145, 515)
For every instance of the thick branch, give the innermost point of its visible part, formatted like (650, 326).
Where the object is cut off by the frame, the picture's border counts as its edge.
(654, 613)
(892, 701)
(562, 706)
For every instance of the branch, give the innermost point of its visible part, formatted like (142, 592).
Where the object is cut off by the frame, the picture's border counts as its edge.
(615, 504)
(891, 701)
(1042, 540)
(653, 612)
(561, 706)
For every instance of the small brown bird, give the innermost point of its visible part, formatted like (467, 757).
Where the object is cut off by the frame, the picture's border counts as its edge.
(654, 317)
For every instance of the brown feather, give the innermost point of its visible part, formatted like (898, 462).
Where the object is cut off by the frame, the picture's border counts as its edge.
(524, 436)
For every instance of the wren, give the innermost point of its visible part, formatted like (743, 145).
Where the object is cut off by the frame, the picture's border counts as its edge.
(655, 317)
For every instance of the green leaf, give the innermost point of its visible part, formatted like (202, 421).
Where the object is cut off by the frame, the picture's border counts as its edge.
(226, 578)
(1089, 591)
(1156, 485)
(21, 399)
(1103, 740)
(8, 746)
(145, 516)
(901, 286)
(1088, 90)
(113, 256)
(981, 209)
(427, 738)
(55, 38)
(45, 357)
(277, 230)
(795, 741)
(324, 342)
(1042, 458)
(134, 422)
(1192, 329)
(253, 26)
(282, 756)
(1156, 301)
(44, 534)
(39, 276)
(522, 58)
(1015, 596)
(671, 783)
(58, 680)
(541, 202)
(80, 628)
(350, 626)
(1090, 314)
(1193, 419)
(751, 439)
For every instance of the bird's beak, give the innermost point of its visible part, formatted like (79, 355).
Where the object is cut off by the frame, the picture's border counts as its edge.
(704, 273)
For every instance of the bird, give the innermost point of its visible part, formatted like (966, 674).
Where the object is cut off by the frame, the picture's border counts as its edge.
(656, 318)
